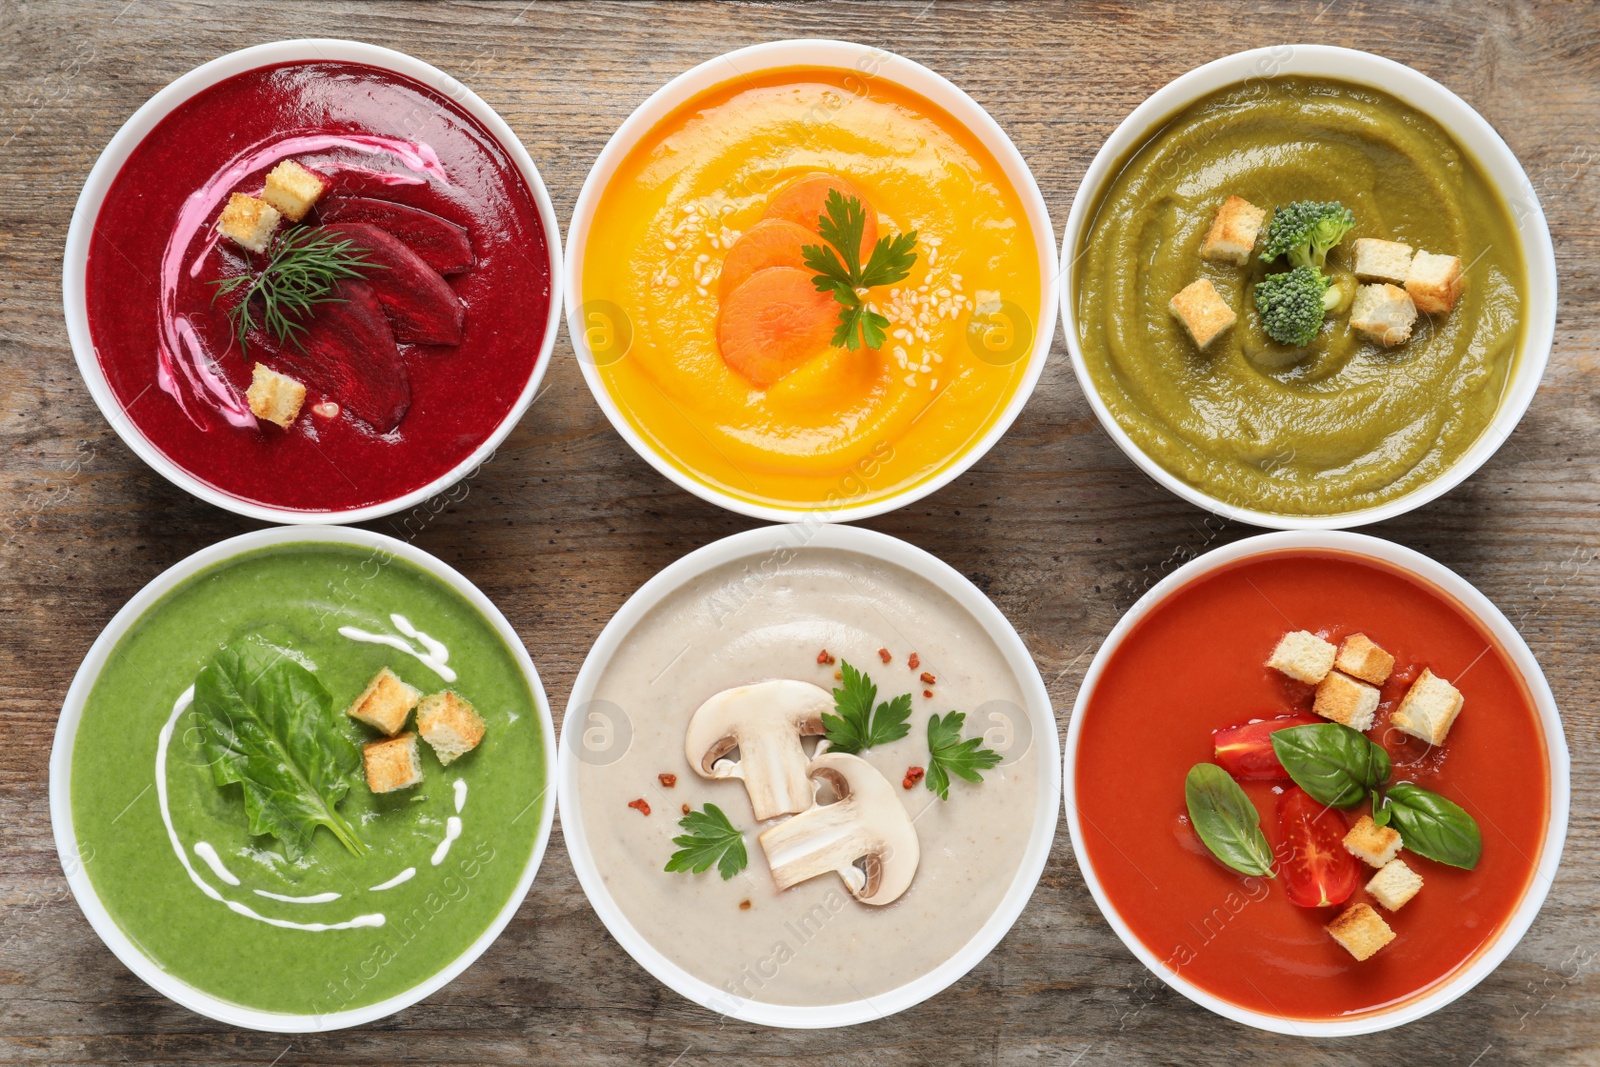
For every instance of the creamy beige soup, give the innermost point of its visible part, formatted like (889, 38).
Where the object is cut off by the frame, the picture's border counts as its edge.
(769, 617)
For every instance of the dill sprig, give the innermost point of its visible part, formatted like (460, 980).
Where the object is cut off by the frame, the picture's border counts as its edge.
(304, 266)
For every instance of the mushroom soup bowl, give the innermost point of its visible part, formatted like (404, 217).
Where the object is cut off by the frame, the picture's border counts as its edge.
(809, 776)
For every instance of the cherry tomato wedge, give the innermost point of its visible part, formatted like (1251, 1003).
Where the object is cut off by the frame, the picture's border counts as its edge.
(1246, 751)
(1313, 865)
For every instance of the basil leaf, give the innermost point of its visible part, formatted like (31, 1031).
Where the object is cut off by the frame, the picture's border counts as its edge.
(1226, 821)
(1380, 813)
(1434, 827)
(1335, 764)
(268, 726)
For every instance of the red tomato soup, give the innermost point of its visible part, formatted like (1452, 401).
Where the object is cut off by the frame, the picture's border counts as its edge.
(1194, 665)
(390, 150)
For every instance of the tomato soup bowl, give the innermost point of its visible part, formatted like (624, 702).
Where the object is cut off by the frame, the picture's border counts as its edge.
(143, 121)
(1522, 670)
(600, 733)
(75, 860)
(591, 322)
(1460, 121)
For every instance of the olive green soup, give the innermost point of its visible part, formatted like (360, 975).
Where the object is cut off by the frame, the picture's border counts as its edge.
(1343, 424)
(238, 916)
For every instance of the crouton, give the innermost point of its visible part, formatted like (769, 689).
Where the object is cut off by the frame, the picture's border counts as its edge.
(451, 725)
(1394, 885)
(1303, 656)
(1361, 930)
(1382, 261)
(1429, 708)
(384, 703)
(1202, 311)
(1360, 658)
(1232, 236)
(292, 189)
(274, 397)
(1345, 700)
(1384, 313)
(392, 764)
(1434, 282)
(249, 222)
(1370, 843)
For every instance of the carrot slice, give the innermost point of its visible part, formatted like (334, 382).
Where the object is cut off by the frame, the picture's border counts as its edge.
(774, 322)
(803, 203)
(769, 243)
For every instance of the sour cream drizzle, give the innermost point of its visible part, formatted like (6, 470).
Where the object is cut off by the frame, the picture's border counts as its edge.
(204, 850)
(179, 350)
(178, 708)
(404, 876)
(433, 655)
(315, 898)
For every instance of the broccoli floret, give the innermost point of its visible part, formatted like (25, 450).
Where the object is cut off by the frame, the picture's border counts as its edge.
(1305, 231)
(1292, 305)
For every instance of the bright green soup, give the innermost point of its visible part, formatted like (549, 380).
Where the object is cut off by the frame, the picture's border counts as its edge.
(299, 597)
(1343, 424)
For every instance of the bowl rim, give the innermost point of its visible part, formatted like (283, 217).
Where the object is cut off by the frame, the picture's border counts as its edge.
(766, 541)
(1430, 571)
(74, 276)
(841, 55)
(83, 891)
(1470, 130)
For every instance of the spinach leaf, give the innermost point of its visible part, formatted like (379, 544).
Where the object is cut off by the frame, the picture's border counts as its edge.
(1335, 764)
(1226, 821)
(269, 726)
(1434, 827)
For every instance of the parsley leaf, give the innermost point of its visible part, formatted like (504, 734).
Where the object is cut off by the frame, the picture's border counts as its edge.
(267, 724)
(948, 754)
(856, 725)
(711, 839)
(839, 269)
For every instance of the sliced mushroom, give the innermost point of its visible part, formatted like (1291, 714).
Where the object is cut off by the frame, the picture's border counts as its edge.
(865, 835)
(765, 722)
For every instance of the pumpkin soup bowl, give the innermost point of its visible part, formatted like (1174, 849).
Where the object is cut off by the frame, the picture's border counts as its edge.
(840, 436)
(1246, 594)
(1238, 451)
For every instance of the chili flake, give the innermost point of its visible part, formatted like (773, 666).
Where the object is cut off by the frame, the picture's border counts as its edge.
(928, 693)
(914, 662)
(927, 678)
(825, 658)
(667, 780)
(686, 809)
(744, 905)
(883, 654)
(640, 805)
(913, 776)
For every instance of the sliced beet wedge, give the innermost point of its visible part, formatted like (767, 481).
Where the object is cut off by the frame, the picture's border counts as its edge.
(419, 302)
(442, 244)
(350, 355)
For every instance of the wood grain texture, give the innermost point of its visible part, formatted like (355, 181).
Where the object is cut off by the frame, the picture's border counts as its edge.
(565, 522)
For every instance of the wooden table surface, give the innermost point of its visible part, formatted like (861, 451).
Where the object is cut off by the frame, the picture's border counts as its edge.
(566, 522)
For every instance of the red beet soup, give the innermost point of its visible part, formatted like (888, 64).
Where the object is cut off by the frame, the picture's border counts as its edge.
(406, 172)
(1194, 665)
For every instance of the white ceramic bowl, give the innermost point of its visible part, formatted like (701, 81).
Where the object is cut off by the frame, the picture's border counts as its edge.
(1430, 572)
(75, 259)
(759, 546)
(1459, 119)
(867, 62)
(72, 714)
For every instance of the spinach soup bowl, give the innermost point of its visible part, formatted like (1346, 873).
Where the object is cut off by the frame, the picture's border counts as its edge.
(1342, 429)
(243, 842)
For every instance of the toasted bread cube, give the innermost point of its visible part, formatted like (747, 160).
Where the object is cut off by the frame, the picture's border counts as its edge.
(1202, 311)
(292, 189)
(392, 764)
(1374, 845)
(1429, 708)
(274, 397)
(249, 222)
(1361, 930)
(1360, 658)
(1434, 282)
(1343, 699)
(451, 725)
(384, 703)
(1394, 885)
(1232, 236)
(1303, 656)
(1384, 313)
(1382, 261)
